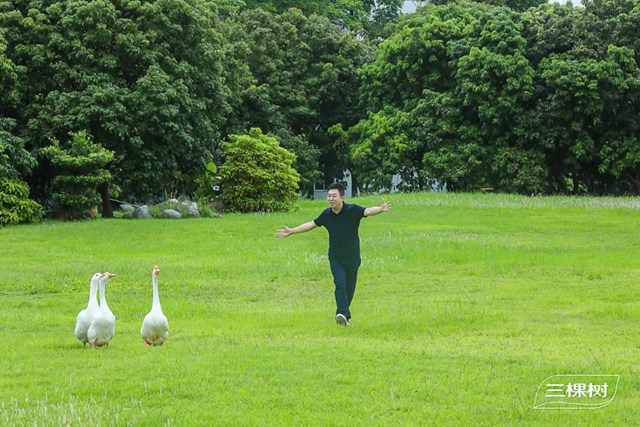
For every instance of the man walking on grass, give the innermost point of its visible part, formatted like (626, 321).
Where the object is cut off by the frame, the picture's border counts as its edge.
(342, 220)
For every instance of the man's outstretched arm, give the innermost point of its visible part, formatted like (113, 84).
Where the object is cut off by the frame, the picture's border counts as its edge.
(384, 207)
(286, 231)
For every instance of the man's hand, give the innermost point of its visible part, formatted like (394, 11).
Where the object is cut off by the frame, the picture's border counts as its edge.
(384, 207)
(284, 232)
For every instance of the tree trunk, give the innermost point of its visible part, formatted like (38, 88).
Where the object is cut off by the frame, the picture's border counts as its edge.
(354, 185)
(576, 183)
(107, 209)
(635, 180)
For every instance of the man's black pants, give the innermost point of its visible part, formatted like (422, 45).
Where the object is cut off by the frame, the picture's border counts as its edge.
(345, 275)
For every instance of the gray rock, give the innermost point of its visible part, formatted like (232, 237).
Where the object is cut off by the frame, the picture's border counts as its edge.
(142, 212)
(126, 207)
(189, 208)
(170, 213)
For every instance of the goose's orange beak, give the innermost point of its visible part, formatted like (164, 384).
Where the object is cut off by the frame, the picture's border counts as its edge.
(156, 270)
(110, 275)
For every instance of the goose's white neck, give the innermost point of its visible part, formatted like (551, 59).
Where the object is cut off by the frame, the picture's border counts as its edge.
(156, 295)
(103, 297)
(93, 295)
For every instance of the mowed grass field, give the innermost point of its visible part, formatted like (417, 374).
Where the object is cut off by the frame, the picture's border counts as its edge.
(465, 304)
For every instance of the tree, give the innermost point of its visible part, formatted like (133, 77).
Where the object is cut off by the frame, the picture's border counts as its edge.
(303, 81)
(81, 170)
(589, 130)
(257, 175)
(15, 161)
(585, 96)
(417, 129)
(144, 78)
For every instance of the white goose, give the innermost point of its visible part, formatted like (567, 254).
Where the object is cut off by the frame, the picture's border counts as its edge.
(83, 321)
(103, 325)
(155, 327)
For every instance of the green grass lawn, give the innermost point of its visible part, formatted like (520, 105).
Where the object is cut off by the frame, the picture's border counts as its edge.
(464, 305)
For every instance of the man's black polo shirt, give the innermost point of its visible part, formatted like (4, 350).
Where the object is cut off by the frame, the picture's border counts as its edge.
(344, 242)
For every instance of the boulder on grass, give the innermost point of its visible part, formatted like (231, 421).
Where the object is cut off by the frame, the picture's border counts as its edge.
(126, 207)
(142, 212)
(171, 213)
(190, 209)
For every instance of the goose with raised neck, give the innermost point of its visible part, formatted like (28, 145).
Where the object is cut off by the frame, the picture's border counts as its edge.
(155, 327)
(103, 325)
(84, 318)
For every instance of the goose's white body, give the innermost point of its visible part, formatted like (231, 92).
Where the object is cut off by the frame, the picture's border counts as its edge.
(83, 321)
(103, 325)
(155, 327)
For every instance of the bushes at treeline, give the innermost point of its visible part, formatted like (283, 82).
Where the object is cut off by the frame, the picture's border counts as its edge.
(466, 95)
(15, 206)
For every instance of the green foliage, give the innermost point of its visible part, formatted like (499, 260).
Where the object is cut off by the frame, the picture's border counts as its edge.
(206, 183)
(492, 94)
(156, 211)
(586, 96)
(15, 161)
(15, 206)
(81, 169)
(257, 174)
(380, 147)
(205, 209)
(303, 80)
(361, 16)
(472, 95)
(147, 79)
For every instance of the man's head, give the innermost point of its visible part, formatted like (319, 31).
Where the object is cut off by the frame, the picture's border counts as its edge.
(335, 196)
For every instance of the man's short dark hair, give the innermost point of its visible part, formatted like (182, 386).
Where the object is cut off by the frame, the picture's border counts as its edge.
(337, 186)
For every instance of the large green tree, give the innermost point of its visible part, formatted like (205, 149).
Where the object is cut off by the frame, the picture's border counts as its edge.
(15, 161)
(144, 78)
(586, 95)
(302, 81)
(481, 96)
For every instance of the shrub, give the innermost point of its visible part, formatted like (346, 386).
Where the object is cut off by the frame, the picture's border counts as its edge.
(15, 206)
(156, 211)
(81, 169)
(205, 209)
(257, 174)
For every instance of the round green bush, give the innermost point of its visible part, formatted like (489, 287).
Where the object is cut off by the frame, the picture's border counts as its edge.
(257, 175)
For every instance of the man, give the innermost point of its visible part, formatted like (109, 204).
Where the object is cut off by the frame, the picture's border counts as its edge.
(342, 220)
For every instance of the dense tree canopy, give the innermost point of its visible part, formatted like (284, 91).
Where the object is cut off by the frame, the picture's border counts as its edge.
(303, 81)
(15, 161)
(362, 16)
(145, 78)
(514, 95)
(481, 96)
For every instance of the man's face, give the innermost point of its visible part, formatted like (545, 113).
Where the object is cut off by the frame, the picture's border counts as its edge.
(334, 198)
